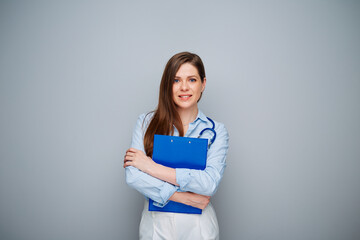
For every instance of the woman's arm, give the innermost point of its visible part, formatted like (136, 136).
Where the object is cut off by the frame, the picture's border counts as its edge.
(192, 199)
(154, 188)
(137, 158)
(188, 198)
(204, 182)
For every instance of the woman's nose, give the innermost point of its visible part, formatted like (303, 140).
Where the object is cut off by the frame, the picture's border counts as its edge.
(184, 85)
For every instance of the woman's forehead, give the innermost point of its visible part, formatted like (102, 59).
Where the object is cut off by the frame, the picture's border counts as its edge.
(187, 70)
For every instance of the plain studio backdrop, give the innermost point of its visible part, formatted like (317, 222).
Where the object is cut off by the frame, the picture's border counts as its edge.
(283, 76)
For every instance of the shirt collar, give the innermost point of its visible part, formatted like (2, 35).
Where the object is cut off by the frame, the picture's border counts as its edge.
(201, 116)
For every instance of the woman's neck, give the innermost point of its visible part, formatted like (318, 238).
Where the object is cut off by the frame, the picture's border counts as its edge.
(188, 116)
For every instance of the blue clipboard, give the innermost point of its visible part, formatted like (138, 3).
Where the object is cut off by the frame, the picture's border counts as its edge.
(179, 152)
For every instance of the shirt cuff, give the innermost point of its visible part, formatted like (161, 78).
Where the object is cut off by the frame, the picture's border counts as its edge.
(182, 177)
(165, 193)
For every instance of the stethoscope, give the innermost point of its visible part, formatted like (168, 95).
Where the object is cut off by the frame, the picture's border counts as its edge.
(211, 130)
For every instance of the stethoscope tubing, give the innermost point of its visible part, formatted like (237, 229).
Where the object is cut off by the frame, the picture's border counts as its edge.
(209, 129)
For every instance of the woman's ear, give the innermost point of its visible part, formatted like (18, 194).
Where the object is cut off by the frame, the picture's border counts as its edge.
(203, 84)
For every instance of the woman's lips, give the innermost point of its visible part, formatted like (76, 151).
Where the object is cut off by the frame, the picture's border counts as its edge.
(185, 97)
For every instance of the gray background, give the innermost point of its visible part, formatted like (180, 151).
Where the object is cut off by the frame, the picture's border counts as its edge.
(284, 77)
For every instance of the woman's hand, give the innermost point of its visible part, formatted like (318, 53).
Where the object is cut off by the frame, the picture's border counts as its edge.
(192, 199)
(138, 159)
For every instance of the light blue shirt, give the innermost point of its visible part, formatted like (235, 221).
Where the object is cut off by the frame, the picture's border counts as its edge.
(203, 182)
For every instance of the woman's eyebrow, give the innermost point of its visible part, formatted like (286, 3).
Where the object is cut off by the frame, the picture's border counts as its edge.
(191, 76)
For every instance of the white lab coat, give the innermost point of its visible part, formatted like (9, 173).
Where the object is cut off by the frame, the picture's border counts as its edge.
(179, 226)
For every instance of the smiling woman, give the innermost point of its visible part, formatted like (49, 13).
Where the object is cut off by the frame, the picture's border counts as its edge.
(177, 114)
(187, 89)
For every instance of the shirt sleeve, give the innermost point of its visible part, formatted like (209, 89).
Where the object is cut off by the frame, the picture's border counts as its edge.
(159, 191)
(206, 181)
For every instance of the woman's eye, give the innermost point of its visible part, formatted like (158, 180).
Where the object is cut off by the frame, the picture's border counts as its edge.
(176, 80)
(192, 80)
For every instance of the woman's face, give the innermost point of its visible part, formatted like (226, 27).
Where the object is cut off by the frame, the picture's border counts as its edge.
(187, 87)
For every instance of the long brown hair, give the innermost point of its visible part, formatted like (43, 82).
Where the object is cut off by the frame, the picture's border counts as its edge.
(166, 116)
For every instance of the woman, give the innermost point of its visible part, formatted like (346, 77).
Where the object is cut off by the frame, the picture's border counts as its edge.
(177, 114)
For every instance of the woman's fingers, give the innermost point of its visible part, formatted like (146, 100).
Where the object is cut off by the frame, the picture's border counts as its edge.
(128, 160)
(129, 157)
(136, 158)
(130, 153)
(133, 150)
